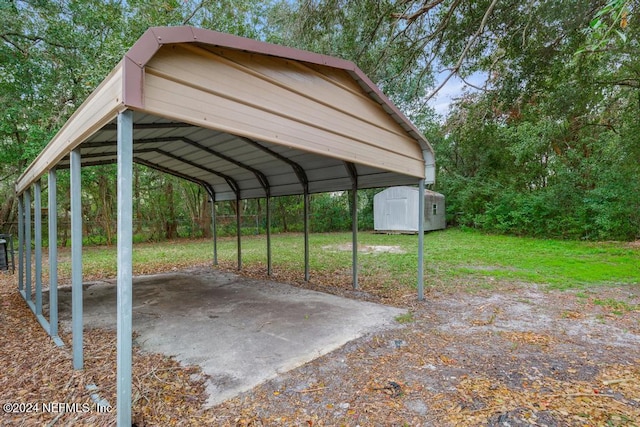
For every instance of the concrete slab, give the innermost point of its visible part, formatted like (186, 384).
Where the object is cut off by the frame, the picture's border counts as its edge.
(240, 331)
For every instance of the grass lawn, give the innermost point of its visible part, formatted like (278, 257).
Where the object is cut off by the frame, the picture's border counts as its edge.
(452, 257)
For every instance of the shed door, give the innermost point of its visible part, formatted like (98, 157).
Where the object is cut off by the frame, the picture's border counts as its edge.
(396, 214)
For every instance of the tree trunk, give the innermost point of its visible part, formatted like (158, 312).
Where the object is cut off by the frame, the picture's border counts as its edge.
(171, 224)
(283, 215)
(106, 199)
(7, 214)
(205, 217)
(136, 201)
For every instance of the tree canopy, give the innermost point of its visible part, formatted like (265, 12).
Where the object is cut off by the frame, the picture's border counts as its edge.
(543, 141)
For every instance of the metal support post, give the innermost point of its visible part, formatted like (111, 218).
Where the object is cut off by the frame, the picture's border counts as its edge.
(306, 235)
(37, 218)
(354, 230)
(53, 253)
(215, 232)
(421, 240)
(76, 260)
(238, 225)
(269, 264)
(20, 243)
(27, 244)
(125, 267)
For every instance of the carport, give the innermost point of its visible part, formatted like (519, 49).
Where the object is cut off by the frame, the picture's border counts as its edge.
(244, 119)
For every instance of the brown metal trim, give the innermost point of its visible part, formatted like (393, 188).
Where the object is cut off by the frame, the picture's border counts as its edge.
(132, 83)
(255, 46)
(155, 37)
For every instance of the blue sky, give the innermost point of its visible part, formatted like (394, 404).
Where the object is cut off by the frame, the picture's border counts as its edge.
(454, 88)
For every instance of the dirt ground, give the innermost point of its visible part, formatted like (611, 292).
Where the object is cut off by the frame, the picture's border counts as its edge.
(513, 356)
(507, 354)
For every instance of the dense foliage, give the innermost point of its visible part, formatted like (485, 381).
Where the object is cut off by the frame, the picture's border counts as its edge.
(53, 53)
(550, 148)
(543, 141)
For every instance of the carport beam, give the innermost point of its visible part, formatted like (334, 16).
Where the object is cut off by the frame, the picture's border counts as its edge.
(76, 259)
(53, 253)
(125, 266)
(421, 240)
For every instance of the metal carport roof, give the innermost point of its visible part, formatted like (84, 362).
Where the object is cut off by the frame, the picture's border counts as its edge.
(244, 119)
(239, 115)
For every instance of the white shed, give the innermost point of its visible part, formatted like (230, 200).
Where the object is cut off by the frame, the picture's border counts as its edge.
(396, 210)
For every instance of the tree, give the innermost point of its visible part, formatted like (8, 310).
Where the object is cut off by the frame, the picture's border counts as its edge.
(612, 18)
(53, 53)
(545, 143)
(365, 32)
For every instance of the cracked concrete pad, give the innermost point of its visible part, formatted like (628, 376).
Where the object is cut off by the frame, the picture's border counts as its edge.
(240, 331)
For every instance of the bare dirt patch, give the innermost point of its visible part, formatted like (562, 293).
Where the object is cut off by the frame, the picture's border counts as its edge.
(635, 244)
(365, 249)
(506, 357)
(515, 354)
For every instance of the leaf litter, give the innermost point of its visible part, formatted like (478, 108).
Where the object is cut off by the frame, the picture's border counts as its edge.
(509, 354)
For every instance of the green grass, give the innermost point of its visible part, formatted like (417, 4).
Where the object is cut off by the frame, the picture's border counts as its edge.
(405, 318)
(618, 307)
(452, 257)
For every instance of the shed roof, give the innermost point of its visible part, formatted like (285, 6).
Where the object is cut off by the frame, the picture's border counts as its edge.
(243, 118)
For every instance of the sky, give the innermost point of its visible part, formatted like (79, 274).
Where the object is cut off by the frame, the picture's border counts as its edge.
(454, 88)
